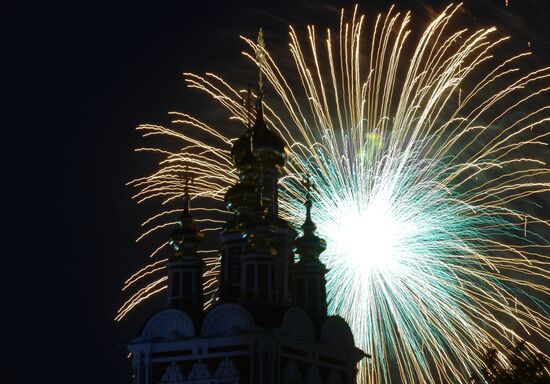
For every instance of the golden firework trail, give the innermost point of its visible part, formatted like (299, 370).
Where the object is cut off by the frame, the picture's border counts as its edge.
(426, 156)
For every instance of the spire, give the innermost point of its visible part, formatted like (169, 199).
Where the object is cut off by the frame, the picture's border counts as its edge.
(260, 58)
(184, 268)
(309, 283)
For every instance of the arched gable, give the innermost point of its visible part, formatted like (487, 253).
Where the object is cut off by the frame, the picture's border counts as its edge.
(297, 325)
(169, 324)
(336, 331)
(227, 319)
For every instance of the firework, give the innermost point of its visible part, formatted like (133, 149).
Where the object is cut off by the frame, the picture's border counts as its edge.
(423, 164)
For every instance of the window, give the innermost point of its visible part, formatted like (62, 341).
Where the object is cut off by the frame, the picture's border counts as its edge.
(234, 255)
(312, 289)
(187, 283)
(175, 284)
(300, 291)
(262, 281)
(250, 286)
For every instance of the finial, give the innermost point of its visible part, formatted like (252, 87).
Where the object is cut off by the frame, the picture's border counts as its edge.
(309, 226)
(185, 236)
(248, 106)
(187, 179)
(260, 58)
(308, 185)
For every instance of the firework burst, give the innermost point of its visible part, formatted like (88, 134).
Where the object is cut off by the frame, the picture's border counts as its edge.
(422, 175)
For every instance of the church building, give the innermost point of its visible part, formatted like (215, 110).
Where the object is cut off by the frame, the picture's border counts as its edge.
(269, 324)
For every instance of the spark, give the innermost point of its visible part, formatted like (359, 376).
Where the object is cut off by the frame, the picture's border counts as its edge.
(424, 172)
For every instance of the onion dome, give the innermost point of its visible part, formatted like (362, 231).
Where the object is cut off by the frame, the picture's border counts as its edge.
(241, 151)
(309, 246)
(237, 196)
(266, 144)
(185, 237)
(259, 231)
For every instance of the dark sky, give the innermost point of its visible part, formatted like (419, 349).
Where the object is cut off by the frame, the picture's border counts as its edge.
(79, 78)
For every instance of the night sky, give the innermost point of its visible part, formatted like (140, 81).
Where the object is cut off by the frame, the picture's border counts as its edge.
(80, 77)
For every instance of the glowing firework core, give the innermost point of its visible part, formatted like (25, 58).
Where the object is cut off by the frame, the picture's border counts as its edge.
(367, 237)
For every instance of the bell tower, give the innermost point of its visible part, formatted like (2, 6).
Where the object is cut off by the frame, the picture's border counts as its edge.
(259, 279)
(256, 245)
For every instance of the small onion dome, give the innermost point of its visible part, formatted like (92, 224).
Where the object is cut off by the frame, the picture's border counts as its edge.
(266, 144)
(241, 151)
(309, 246)
(185, 237)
